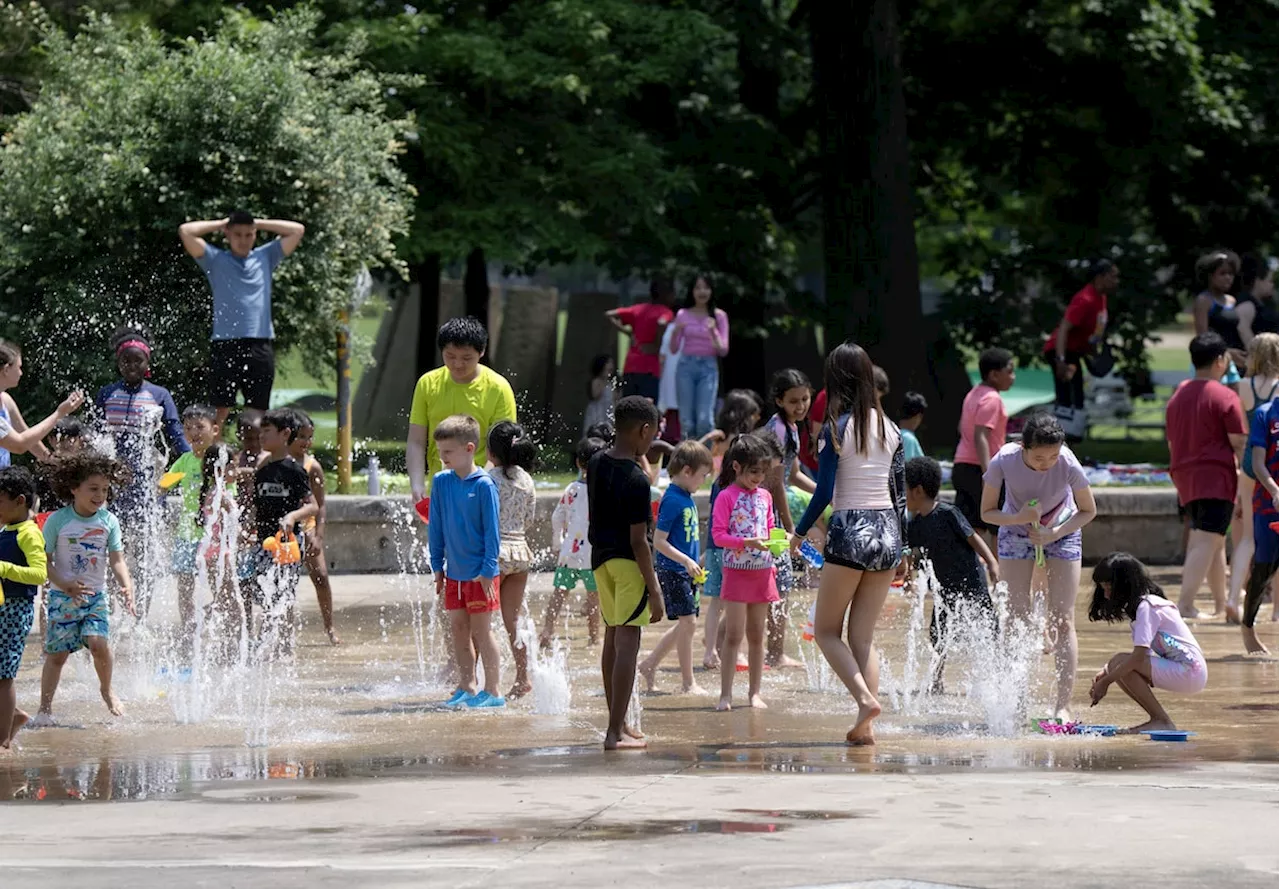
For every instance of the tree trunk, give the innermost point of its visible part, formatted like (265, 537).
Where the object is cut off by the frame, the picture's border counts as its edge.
(427, 276)
(475, 286)
(869, 248)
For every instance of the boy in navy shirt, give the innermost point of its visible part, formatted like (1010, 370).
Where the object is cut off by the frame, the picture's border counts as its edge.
(23, 568)
(676, 563)
(462, 529)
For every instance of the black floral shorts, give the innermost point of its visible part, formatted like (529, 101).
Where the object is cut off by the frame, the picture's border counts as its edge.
(865, 539)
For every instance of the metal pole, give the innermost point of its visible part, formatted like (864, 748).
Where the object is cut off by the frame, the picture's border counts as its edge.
(344, 403)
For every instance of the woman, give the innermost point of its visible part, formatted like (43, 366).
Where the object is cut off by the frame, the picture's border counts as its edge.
(860, 473)
(1257, 388)
(1047, 501)
(1256, 302)
(15, 436)
(701, 338)
(1215, 308)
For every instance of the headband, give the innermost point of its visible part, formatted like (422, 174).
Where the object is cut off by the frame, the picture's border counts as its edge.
(134, 344)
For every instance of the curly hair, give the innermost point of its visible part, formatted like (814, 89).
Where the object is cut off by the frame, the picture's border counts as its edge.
(70, 472)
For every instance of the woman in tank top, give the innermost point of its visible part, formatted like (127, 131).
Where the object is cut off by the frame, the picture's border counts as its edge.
(1256, 389)
(1215, 309)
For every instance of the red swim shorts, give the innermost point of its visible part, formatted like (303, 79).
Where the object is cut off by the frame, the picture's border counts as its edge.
(472, 595)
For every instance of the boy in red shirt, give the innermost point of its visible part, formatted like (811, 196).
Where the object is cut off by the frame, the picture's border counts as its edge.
(644, 323)
(1206, 433)
(984, 426)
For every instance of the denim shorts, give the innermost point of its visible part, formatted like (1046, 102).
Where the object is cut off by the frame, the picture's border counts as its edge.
(715, 573)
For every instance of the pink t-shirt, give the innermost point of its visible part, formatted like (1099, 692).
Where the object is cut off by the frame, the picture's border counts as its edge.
(739, 515)
(1160, 627)
(692, 337)
(983, 406)
(1022, 484)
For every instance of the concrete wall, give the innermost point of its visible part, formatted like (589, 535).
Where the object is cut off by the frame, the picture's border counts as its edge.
(379, 534)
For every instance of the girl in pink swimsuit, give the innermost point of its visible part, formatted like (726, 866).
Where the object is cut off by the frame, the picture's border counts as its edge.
(1165, 655)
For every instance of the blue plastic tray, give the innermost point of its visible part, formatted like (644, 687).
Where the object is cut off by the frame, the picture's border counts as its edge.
(1168, 735)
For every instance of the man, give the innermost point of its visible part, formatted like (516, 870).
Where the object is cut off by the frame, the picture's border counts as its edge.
(242, 359)
(1206, 435)
(645, 323)
(1078, 335)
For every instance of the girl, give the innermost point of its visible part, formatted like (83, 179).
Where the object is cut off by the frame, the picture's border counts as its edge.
(1256, 389)
(1215, 308)
(791, 396)
(860, 472)
(513, 455)
(313, 528)
(599, 392)
(569, 529)
(1047, 501)
(740, 524)
(15, 436)
(739, 414)
(701, 338)
(1165, 655)
(82, 540)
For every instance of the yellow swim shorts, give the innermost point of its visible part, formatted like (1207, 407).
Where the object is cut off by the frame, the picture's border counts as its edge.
(624, 601)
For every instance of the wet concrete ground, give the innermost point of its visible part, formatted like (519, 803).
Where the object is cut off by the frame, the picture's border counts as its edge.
(348, 774)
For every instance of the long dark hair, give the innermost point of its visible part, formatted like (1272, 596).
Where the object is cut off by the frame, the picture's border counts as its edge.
(735, 413)
(746, 450)
(689, 301)
(509, 446)
(851, 388)
(1129, 583)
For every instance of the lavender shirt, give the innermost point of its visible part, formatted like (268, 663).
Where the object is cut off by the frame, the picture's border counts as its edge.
(1051, 488)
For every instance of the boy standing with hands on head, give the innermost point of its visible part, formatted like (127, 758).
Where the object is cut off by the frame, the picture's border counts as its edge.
(463, 534)
(630, 597)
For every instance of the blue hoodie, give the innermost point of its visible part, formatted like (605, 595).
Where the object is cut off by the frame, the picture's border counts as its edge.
(462, 528)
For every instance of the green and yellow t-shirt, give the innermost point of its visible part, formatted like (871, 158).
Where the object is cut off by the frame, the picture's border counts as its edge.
(192, 469)
(488, 398)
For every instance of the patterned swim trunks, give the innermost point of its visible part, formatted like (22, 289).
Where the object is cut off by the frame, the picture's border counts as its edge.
(70, 620)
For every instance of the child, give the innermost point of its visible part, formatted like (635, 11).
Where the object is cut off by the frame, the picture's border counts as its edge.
(739, 414)
(216, 530)
(249, 431)
(939, 533)
(1264, 453)
(740, 525)
(619, 517)
(599, 392)
(513, 455)
(83, 538)
(676, 562)
(313, 528)
(462, 529)
(984, 425)
(1165, 655)
(913, 407)
(23, 568)
(281, 502)
(569, 528)
(199, 427)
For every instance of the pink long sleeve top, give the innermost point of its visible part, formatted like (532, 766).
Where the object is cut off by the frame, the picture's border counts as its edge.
(740, 515)
(692, 337)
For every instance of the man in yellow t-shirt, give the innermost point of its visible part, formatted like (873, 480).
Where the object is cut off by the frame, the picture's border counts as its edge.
(462, 386)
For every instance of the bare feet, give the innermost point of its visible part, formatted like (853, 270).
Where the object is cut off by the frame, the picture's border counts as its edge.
(624, 742)
(758, 703)
(20, 718)
(646, 669)
(785, 662)
(1252, 644)
(632, 732)
(725, 704)
(1152, 725)
(544, 643)
(43, 719)
(694, 689)
(112, 702)
(861, 734)
(711, 661)
(519, 690)
(333, 638)
(1233, 614)
(1193, 613)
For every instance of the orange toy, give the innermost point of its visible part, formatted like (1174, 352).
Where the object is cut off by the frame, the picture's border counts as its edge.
(284, 547)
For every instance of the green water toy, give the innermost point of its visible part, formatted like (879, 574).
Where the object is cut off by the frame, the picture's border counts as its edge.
(1039, 548)
(779, 541)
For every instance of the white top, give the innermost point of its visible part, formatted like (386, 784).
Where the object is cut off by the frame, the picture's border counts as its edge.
(667, 382)
(862, 480)
(81, 545)
(569, 526)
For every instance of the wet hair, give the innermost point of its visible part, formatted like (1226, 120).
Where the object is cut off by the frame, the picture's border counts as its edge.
(1206, 348)
(463, 332)
(126, 334)
(240, 217)
(913, 405)
(9, 354)
(17, 481)
(199, 412)
(925, 473)
(284, 419)
(602, 431)
(660, 288)
(882, 380)
(692, 454)
(1211, 262)
(460, 428)
(70, 472)
(690, 302)
(1098, 268)
(509, 446)
(587, 448)
(851, 389)
(1129, 583)
(1264, 356)
(735, 413)
(1042, 430)
(209, 474)
(746, 451)
(68, 427)
(785, 380)
(992, 360)
(632, 412)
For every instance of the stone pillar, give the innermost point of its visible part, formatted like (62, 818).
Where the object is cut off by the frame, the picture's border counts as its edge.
(525, 321)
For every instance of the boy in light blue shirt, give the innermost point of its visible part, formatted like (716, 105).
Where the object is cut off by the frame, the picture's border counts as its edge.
(462, 531)
(913, 408)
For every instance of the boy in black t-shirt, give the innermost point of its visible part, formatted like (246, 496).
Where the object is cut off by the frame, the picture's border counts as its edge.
(281, 501)
(940, 533)
(618, 523)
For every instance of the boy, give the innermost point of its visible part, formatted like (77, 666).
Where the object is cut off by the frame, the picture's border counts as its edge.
(984, 425)
(462, 530)
(198, 425)
(281, 501)
(676, 562)
(618, 504)
(23, 568)
(913, 407)
(462, 386)
(1265, 453)
(313, 529)
(939, 532)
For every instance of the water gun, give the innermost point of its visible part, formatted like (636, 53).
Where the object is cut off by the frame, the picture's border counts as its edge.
(1039, 548)
(169, 479)
(284, 548)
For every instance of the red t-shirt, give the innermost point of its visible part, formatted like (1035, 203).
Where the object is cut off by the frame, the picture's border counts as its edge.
(817, 414)
(1087, 315)
(643, 319)
(1202, 462)
(983, 406)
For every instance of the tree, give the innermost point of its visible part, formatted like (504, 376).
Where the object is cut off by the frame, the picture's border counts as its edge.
(130, 136)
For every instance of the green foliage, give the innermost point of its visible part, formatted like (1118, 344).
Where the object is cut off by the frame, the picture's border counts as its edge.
(131, 136)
